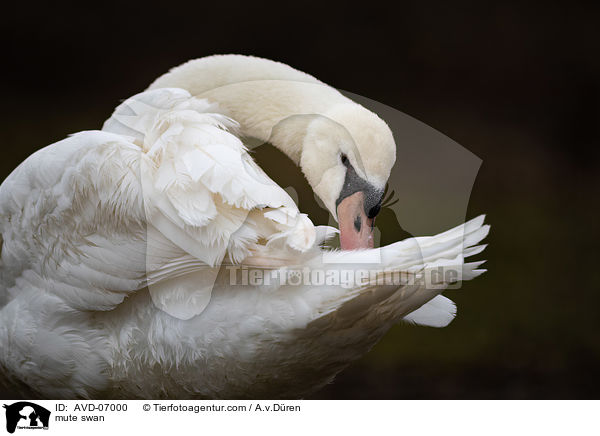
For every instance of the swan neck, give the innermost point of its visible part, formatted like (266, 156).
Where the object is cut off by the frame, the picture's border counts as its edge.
(271, 101)
(276, 111)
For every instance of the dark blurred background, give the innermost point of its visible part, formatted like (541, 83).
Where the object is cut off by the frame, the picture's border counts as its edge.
(516, 84)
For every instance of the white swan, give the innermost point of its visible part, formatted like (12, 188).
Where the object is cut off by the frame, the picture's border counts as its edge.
(112, 242)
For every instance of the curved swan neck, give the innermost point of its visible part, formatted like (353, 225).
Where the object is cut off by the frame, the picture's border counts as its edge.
(271, 101)
(276, 111)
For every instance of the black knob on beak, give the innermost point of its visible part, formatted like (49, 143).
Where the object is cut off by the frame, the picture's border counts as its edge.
(372, 213)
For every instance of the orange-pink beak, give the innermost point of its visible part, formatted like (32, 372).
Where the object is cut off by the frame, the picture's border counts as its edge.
(356, 228)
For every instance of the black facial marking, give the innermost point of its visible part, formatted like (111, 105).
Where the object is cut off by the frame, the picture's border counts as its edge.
(353, 183)
(372, 213)
(357, 223)
(344, 159)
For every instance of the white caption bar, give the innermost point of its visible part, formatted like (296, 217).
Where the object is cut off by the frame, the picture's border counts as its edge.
(283, 418)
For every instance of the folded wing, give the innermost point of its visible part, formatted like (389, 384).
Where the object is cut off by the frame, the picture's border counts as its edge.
(161, 198)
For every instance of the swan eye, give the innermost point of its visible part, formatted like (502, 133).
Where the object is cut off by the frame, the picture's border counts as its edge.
(344, 159)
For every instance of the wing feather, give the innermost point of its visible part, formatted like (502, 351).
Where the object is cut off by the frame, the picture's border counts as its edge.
(158, 198)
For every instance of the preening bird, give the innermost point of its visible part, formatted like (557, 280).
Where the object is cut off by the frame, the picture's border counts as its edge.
(125, 250)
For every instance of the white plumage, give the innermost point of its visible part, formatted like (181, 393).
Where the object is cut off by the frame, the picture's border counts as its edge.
(114, 264)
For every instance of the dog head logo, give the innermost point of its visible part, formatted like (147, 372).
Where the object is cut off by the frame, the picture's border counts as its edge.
(26, 415)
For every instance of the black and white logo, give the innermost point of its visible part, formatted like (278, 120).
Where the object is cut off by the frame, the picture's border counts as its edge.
(26, 415)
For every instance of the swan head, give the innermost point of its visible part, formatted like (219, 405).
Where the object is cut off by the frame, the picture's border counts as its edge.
(346, 156)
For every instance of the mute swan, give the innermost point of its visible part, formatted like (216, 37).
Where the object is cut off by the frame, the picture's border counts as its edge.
(113, 242)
